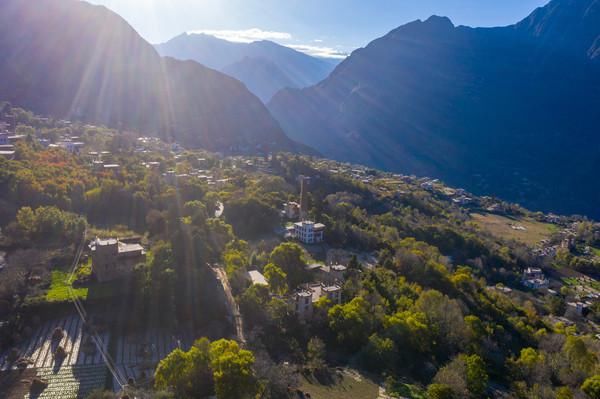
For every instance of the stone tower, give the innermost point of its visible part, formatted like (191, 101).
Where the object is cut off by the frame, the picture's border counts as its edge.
(304, 181)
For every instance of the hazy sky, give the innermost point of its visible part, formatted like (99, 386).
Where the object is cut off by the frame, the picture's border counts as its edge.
(324, 27)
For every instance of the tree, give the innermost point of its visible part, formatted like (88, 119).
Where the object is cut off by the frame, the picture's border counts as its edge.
(354, 264)
(253, 304)
(439, 391)
(445, 319)
(290, 258)
(532, 366)
(556, 305)
(409, 331)
(465, 375)
(352, 323)
(564, 393)
(250, 216)
(315, 354)
(173, 372)
(200, 372)
(277, 279)
(379, 353)
(477, 377)
(48, 223)
(26, 221)
(579, 356)
(232, 370)
(591, 387)
(25, 130)
(162, 258)
(196, 211)
(234, 260)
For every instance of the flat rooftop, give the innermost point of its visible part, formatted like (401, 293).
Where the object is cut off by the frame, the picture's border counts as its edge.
(257, 278)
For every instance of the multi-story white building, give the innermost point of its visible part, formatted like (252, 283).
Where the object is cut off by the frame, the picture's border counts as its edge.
(309, 232)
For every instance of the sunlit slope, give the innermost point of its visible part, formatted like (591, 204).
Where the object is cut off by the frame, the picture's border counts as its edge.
(70, 59)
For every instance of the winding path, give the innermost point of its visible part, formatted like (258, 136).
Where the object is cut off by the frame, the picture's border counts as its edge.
(232, 305)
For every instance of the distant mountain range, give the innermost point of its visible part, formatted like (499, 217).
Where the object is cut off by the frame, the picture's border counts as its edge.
(512, 111)
(263, 66)
(70, 59)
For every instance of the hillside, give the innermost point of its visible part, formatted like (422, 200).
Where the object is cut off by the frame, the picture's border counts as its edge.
(510, 111)
(411, 288)
(69, 59)
(264, 66)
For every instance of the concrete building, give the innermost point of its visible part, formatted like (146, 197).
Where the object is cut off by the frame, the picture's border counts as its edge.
(305, 297)
(303, 303)
(291, 210)
(534, 278)
(71, 146)
(256, 278)
(580, 307)
(114, 259)
(333, 274)
(4, 138)
(7, 151)
(7, 154)
(309, 232)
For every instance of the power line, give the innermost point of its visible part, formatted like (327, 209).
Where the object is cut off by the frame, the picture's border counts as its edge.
(106, 358)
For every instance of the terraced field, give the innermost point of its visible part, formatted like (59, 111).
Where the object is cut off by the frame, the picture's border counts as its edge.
(138, 354)
(76, 374)
(83, 368)
(71, 382)
(38, 349)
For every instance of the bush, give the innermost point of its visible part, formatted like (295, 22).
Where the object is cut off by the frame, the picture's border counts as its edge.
(591, 387)
(439, 391)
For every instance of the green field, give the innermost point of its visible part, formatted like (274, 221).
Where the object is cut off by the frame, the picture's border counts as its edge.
(344, 387)
(59, 288)
(502, 227)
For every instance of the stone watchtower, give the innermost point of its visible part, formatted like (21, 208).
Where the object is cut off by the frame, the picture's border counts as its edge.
(114, 259)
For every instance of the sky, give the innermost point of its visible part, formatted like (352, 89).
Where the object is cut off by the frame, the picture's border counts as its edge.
(326, 28)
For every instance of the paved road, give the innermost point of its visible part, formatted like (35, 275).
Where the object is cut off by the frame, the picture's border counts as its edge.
(232, 305)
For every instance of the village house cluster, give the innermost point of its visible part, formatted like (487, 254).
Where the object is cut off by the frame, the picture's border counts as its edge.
(327, 281)
(8, 140)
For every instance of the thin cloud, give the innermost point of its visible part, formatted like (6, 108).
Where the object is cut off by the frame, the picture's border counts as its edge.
(319, 51)
(245, 35)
